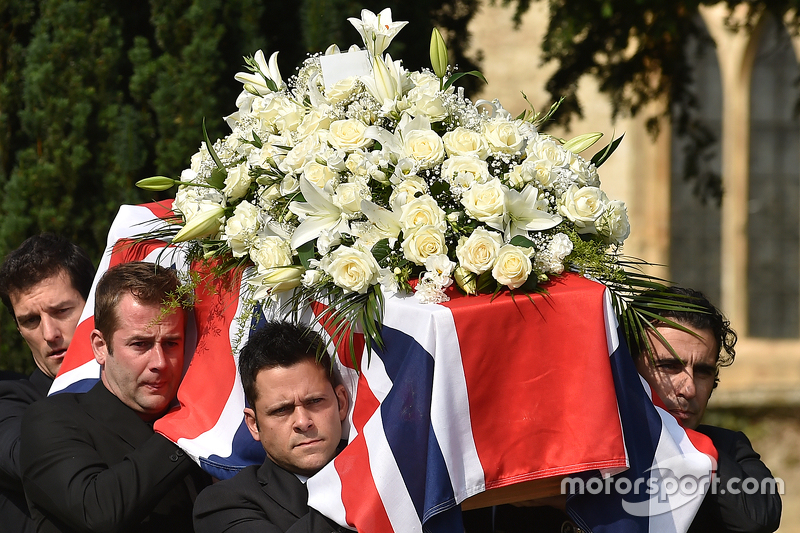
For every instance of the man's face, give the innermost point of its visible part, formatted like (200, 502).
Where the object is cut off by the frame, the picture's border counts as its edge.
(143, 362)
(683, 387)
(47, 314)
(298, 416)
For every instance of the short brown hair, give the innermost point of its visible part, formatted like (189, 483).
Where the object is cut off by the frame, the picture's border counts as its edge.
(280, 344)
(147, 282)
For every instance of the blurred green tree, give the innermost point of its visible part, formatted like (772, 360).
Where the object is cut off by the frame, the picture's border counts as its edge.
(95, 95)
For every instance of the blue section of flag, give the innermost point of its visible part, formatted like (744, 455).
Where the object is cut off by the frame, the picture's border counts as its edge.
(641, 427)
(244, 451)
(407, 426)
(83, 385)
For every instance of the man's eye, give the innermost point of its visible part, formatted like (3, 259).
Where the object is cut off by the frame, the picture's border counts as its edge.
(64, 310)
(29, 323)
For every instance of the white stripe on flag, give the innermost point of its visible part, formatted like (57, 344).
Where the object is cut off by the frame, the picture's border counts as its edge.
(388, 479)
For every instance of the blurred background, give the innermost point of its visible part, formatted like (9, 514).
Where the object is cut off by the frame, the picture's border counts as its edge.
(95, 95)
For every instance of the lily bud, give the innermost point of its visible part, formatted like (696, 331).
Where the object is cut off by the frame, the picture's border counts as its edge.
(438, 54)
(251, 89)
(580, 143)
(468, 281)
(156, 183)
(204, 223)
(280, 279)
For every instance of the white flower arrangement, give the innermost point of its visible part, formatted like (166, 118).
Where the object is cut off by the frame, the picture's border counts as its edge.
(348, 182)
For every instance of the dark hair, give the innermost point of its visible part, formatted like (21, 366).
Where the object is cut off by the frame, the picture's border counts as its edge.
(279, 344)
(149, 283)
(41, 257)
(707, 317)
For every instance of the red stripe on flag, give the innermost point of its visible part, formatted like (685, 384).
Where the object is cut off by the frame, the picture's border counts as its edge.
(561, 365)
(365, 406)
(363, 506)
(202, 395)
(128, 250)
(162, 210)
(80, 348)
(701, 442)
(340, 338)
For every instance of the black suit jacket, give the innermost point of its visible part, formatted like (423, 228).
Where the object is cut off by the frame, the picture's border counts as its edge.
(264, 499)
(15, 398)
(89, 463)
(728, 512)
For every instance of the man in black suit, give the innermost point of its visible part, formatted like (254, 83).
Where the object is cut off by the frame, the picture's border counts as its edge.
(297, 412)
(44, 285)
(685, 386)
(91, 461)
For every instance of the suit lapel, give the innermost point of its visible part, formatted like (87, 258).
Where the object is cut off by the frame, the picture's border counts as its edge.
(284, 488)
(120, 419)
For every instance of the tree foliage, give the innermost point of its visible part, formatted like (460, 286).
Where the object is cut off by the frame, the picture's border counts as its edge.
(637, 51)
(96, 95)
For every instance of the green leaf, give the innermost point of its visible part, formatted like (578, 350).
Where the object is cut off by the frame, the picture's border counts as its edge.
(522, 242)
(381, 250)
(210, 148)
(455, 77)
(439, 188)
(601, 156)
(306, 253)
(217, 178)
(257, 140)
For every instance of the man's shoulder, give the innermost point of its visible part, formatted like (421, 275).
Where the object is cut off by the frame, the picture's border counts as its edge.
(245, 481)
(720, 435)
(23, 390)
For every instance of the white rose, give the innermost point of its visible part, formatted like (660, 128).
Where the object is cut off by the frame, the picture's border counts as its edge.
(407, 189)
(614, 223)
(583, 206)
(352, 269)
(425, 99)
(543, 171)
(276, 108)
(348, 134)
(270, 252)
(465, 170)
(191, 200)
(299, 155)
(318, 174)
(241, 228)
(198, 158)
(464, 141)
(547, 148)
(485, 202)
(513, 266)
(478, 252)
(237, 181)
(425, 147)
(342, 90)
(503, 136)
(425, 241)
(312, 123)
(348, 196)
(421, 211)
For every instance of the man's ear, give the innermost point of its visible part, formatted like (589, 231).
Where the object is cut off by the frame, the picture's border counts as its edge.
(99, 347)
(252, 423)
(341, 397)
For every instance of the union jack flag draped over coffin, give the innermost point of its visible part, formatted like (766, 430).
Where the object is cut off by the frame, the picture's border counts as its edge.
(468, 396)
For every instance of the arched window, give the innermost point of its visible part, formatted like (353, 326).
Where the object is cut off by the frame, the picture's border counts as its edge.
(694, 223)
(773, 228)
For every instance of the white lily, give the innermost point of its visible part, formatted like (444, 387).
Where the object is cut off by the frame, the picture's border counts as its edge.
(524, 212)
(259, 82)
(387, 222)
(377, 31)
(316, 214)
(386, 83)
